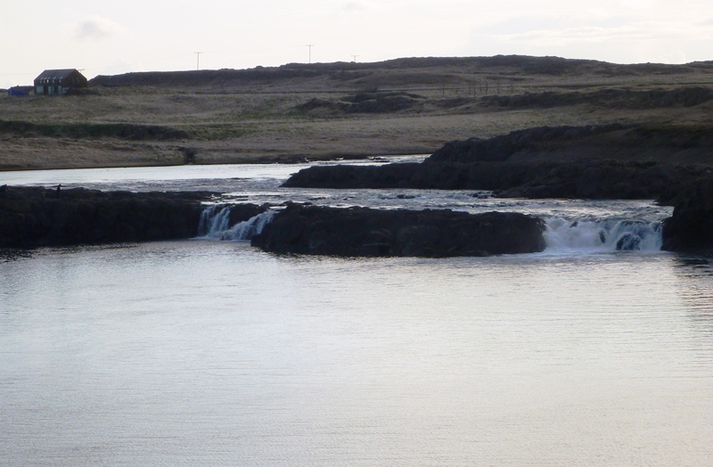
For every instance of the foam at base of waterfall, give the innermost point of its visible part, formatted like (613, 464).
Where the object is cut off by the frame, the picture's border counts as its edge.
(602, 235)
(215, 224)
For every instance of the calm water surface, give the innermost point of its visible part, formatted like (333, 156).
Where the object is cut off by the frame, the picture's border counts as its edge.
(206, 353)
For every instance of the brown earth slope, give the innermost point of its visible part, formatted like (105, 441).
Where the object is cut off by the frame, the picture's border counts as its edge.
(319, 111)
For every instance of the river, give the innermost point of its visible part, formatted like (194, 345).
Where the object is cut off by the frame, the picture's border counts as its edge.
(212, 352)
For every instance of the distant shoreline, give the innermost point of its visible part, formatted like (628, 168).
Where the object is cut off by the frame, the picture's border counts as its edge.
(257, 160)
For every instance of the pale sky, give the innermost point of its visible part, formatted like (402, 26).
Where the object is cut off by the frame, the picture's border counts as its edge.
(109, 37)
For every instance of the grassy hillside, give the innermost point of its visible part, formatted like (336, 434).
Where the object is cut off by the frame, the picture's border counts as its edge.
(297, 111)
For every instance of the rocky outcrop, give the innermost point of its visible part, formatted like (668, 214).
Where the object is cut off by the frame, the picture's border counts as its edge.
(605, 162)
(691, 227)
(369, 232)
(597, 180)
(32, 217)
(587, 180)
(533, 142)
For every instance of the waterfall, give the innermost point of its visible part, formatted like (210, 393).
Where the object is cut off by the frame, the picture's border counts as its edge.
(215, 218)
(562, 235)
(215, 224)
(602, 235)
(246, 230)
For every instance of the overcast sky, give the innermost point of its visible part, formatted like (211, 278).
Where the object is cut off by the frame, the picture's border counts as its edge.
(108, 37)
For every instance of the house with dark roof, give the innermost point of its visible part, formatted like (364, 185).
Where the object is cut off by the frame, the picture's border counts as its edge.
(58, 82)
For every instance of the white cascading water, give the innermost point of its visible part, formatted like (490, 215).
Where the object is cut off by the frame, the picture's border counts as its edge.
(215, 224)
(246, 230)
(215, 218)
(602, 235)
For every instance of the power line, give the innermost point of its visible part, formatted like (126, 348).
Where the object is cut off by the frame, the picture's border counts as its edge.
(198, 59)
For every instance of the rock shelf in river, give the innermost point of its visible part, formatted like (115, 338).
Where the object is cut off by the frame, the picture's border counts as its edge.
(33, 217)
(368, 232)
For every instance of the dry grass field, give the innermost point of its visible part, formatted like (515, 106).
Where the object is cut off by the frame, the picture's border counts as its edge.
(349, 110)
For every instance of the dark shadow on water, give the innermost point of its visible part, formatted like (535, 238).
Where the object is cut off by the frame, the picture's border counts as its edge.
(694, 265)
(7, 256)
(10, 255)
(694, 285)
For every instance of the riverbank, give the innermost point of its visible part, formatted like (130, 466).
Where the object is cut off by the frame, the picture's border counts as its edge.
(588, 162)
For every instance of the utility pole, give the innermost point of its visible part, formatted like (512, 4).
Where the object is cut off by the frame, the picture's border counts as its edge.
(198, 60)
(309, 48)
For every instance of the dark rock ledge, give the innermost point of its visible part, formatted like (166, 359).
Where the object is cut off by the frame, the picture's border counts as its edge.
(369, 232)
(691, 227)
(35, 217)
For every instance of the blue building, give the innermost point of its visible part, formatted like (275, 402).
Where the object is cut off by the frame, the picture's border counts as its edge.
(20, 91)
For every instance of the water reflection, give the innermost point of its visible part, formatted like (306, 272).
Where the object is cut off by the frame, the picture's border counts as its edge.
(7, 255)
(700, 264)
(695, 288)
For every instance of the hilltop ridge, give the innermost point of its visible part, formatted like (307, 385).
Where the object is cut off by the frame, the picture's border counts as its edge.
(507, 65)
